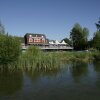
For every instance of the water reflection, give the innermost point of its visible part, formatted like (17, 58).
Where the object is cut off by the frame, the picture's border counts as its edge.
(10, 81)
(78, 70)
(37, 73)
(96, 66)
(53, 84)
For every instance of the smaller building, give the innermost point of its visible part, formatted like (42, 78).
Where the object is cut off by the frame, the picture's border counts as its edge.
(35, 39)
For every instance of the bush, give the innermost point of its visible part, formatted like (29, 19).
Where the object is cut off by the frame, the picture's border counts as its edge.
(96, 56)
(9, 49)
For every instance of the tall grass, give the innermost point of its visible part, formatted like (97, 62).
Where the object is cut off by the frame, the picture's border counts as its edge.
(35, 58)
(76, 56)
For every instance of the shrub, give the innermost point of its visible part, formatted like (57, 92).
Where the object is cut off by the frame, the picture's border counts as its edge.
(96, 56)
(9, 49)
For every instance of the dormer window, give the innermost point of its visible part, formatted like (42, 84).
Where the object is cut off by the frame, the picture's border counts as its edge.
(30, 35)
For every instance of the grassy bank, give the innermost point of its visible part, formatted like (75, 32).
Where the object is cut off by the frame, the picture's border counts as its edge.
(34, 59)
(77, 56)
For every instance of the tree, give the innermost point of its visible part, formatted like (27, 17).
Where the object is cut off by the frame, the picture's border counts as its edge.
(96, 38)
(2, 29)
(9, 47)
(90, 44)
(75, 35)
(79, 37)
(85, 34)
(67, 41)
(98, 25)
(21, 39)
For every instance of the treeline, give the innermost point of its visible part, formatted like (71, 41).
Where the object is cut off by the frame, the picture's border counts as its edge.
(79, 38)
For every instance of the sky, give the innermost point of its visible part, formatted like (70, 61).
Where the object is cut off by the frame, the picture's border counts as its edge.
(54, 18)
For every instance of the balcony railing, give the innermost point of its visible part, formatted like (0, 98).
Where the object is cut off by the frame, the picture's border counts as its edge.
(51, 47)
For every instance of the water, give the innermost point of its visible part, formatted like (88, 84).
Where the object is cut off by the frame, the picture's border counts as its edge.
(73, 82)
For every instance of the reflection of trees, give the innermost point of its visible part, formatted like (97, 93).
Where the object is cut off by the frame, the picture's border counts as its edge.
(36, 73)
(10, 81)
(78, 70)
(96, 66)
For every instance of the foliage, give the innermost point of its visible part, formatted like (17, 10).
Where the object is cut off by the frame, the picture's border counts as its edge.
(2, 29)
(9, 49)
(35, 58)
(76, 56)
(96, 40)
(67, 41)
(98, 25)
(11, 80)
(90, 44)
(79, 37)
(96, 37)
(96, 56)
(21, 39)
(94, 43)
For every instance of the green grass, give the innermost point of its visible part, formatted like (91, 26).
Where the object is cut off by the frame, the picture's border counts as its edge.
(96, 56)
(34, 59)
(76, 56)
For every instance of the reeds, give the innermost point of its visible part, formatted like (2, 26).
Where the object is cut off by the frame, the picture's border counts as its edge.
(76, 56)
(35, 58)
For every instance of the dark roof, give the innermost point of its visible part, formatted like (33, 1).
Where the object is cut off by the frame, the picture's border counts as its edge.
(34, 34)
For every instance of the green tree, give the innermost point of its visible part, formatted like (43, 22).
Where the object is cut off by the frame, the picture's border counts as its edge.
(98, 25)
(96, 40)
(85, 34)
(75, 35)
(90, 44)
(2, 29)
(79, 37)
(96, 37)
(9, 47)
(67, 41)
(21, 39)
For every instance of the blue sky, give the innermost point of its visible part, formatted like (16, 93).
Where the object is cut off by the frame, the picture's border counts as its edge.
(54, 18)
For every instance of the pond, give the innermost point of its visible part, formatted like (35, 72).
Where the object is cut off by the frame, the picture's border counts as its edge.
(74, 81)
